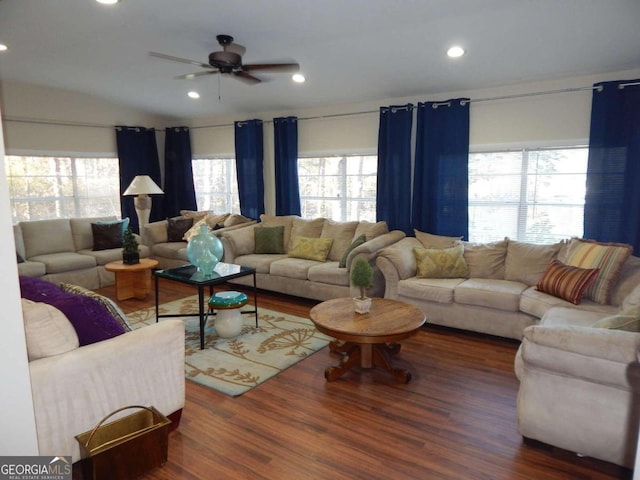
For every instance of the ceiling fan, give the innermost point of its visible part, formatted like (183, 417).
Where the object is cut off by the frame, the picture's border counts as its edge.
(229, 61)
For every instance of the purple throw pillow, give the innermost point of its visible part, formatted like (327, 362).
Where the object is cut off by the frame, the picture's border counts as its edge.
(90, 319)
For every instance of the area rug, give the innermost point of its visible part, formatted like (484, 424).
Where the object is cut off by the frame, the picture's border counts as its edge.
(234, 366)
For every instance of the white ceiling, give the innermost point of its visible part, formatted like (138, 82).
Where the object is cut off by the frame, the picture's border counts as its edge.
(350, 50)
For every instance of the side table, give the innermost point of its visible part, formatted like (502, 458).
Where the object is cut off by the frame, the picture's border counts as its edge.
(132, 281)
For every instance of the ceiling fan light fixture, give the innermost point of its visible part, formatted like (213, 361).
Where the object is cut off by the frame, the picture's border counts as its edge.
(298, 78)
(455, 52)
(108, 2)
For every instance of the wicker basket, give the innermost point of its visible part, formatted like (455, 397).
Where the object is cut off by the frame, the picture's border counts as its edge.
(125, 448)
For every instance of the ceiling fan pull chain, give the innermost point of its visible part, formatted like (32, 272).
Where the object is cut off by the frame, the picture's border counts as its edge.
(219, 94)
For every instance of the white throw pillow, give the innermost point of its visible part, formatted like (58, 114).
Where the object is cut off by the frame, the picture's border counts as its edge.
(47, 330)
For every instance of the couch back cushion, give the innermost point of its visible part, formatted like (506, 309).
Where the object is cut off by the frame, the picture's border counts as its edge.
(342, 235)
(17, 237)
(429, 240)
(486, 260)
(82, 233)
(275, 220)
(527, 262)
(311, 228)
(47, 236)
(626, 292)
(371, 230)
(47, 330)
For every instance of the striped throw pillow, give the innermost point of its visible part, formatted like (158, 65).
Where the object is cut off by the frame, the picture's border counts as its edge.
(606, 257)
(566, 282)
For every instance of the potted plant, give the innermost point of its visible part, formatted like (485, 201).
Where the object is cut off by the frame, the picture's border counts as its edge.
(130, 251)
(361, 277)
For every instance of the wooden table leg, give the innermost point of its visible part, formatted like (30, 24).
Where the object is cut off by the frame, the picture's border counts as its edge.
(382, 358)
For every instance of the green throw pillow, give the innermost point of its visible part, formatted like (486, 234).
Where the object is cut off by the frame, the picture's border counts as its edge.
(269, 239)
(628, 320)
(441, 263)
(310, 248)
(356, 243)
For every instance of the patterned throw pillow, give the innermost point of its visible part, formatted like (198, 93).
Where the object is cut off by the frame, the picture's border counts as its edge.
(177, 227)
(109, 304)
(606, 257)
(356, 243)
(627, 320)
(310, 248)
(441, 263)
(106, 236)
(566, 282)
(269, 239)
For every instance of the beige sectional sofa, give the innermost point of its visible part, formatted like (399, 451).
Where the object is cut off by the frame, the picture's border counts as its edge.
(173, 252)
(61, 250)
(579, 384)
(316, 279)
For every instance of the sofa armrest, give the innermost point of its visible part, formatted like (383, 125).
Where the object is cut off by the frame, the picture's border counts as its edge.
(596, 355)
(369, 249)
(221, 231)
(72, 392)
(237, 242)
(391, 277)
(400, 254)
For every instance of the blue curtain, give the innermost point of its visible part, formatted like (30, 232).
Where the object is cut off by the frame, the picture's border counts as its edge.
(393, 202)
(286, 166)
(249, 167)
(179, 191)
(612, 203)
(441, 168)
(138, 155)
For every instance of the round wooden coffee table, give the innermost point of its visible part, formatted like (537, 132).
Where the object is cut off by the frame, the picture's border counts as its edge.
(367, 340)
(132, 281)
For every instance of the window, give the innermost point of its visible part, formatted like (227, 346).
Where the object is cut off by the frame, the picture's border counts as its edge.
(42, 188)
(532, 195)
(216, 184)
(341, 188)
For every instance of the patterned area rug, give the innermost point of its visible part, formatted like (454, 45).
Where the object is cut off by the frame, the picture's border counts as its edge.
(236, 365)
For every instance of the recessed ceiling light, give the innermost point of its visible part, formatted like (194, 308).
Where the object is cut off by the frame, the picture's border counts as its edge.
(108, 2)
(455, 51)
(3, 47)
(193, 94)
(298, 78)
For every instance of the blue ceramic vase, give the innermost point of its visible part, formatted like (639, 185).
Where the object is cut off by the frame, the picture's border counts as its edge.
(204, 251)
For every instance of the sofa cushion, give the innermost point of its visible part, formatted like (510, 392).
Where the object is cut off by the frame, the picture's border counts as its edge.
(627, 320)
(538, 303)
(82, 232)
(47, 331)
(439, 290)
(626, 291)
(210, 220)
(262, 263)
(310, 248)
(429, 240)
(235, 219)
(571, 317)
(177, 227)
(269, 239)
(441, 262)
(176, 250)
(32, 269)
(342, 235)
(355, 244)
(294, 268)
(371, 230)
(329, 272)
(566, 282)
(486, 260)
(607, 257)
(496, 294)
(106, 236)
(195, 214)
(302, 227)
(42, 237)
(527, 262)
(106, 302)
(65, 261)
(275, 220)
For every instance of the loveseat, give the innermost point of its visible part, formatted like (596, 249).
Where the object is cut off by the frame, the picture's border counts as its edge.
(308, 258)
(64, 250)
(167, 239)
(577, 363)
(85, 362)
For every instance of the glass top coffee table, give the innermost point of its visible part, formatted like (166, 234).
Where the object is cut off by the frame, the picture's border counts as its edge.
(188, 274)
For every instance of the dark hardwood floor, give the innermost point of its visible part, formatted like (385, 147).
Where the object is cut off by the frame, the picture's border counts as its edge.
(454, 420)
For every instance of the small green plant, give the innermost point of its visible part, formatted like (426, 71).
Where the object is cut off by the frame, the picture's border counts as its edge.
(362, 276)
(129, 242)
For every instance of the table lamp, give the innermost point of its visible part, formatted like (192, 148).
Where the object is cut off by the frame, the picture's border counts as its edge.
(142, 186)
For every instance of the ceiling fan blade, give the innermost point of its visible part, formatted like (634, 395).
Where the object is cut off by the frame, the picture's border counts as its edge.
(235, 48)
(246, 78)
(190, 76)
(181, 60)
(271, 67)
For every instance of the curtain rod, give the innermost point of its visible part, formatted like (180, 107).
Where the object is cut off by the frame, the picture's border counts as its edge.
(317, 117)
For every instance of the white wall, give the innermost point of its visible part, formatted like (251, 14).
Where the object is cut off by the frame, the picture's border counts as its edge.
(17, 423)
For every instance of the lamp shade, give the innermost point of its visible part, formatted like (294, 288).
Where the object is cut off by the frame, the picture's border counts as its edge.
(142, 184)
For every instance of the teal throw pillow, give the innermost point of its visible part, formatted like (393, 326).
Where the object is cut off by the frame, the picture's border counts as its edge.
(269, 239)
(356, 243)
